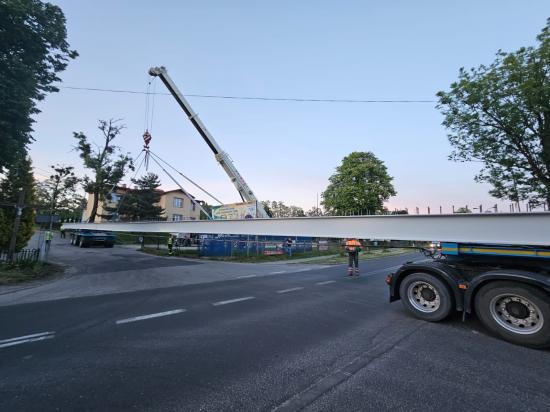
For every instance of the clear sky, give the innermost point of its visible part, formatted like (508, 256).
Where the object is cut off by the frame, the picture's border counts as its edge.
(304, 49)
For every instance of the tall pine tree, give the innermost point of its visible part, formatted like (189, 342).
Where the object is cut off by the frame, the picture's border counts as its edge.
(141, 202)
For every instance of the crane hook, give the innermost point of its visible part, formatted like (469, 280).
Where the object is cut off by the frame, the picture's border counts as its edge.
(147, 139)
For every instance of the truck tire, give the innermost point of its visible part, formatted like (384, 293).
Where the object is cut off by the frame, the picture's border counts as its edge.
(82, 243)
(517, 312)
(108, 245)
(72, 240)
(426, 297)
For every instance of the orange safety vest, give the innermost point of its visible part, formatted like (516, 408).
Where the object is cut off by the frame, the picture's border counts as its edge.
(352, 245)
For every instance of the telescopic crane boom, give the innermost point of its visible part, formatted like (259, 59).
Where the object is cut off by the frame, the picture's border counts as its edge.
(246, 193)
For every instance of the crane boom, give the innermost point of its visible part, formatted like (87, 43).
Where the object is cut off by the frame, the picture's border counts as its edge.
(222, 157)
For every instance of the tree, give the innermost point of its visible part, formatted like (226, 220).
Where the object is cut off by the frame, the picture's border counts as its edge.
(141, 202)
(58, 193)
(267, 208)
(314, 211)
(279, 209)
(19, 177)
(500, 115)
(361, 184)
(108, 171)
(33, 49)
(207, 207)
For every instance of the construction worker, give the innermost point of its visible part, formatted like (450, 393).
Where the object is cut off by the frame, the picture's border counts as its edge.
(48, 238)
(288, 246)
(170, 245)
(353, 247)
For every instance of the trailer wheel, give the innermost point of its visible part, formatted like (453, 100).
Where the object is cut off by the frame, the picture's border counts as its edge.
(82, 243)
(517, 312)
(426, 297)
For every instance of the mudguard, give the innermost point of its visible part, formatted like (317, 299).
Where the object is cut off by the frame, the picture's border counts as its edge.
(444, 272)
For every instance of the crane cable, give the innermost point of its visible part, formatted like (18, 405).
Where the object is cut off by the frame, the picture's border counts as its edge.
(148, 118)
(114, 186)
(135, 174)
(186, 178)
(182, 189)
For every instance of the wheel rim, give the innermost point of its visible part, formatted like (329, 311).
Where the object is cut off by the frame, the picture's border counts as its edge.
(424, 296)
(516, 314)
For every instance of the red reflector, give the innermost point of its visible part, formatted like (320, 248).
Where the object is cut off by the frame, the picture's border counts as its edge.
(389, 278)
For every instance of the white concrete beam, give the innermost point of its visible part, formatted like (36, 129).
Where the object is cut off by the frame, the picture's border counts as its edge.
(513, 229)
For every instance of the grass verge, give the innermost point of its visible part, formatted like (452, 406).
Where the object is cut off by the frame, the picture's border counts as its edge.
(329, 257)
(364, 255)
(12, 274)
(238, 257)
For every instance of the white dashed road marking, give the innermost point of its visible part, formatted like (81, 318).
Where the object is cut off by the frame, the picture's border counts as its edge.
(326, 282)
(150, 316)
(278, 272)
(289, 290)
(227, 302)
(27, 338)
(246, 276)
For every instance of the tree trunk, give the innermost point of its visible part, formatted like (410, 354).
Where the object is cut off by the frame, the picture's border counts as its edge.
(93, 213)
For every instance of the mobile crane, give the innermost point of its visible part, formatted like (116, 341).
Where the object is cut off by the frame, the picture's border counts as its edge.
(246, 193)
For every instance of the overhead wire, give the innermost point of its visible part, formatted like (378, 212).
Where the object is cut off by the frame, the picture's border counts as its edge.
(262, 98)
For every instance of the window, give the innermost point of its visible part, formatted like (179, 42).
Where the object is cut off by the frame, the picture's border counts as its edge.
(193, 206)
(178, 202)
(115, 197)
(177, 218)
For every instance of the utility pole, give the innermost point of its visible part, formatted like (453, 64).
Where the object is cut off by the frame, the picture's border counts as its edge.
(18, 212)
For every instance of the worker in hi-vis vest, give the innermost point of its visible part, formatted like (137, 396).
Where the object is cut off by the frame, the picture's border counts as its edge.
(353, 247)
(48, 238)
(170, 244)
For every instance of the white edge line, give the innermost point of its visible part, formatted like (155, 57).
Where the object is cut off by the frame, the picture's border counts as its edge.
(34, 335)
(246, 276)
(326, 282)
(278, 272)
(19, 342)
(151, 316)
(290, 290)
(226, 302)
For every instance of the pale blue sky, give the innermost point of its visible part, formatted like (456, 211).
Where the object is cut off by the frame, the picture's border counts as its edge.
(305, 49)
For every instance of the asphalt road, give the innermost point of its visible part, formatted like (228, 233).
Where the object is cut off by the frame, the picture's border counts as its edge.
(303, 339)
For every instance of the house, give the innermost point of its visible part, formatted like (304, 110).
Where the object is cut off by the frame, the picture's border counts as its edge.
(176, 204)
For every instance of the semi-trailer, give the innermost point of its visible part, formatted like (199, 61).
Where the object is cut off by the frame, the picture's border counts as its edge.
(507, 286)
